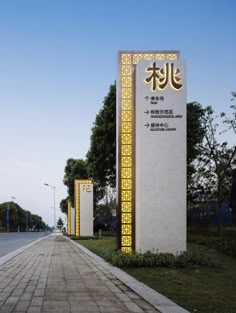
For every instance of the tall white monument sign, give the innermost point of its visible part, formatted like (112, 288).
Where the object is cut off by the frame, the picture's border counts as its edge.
(83, 193)
(151, 153)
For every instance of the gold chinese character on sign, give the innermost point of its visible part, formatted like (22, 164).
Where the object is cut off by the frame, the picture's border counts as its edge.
(161, 77)
(86, 188)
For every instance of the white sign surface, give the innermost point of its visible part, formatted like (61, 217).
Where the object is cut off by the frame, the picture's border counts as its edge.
(86, 209)
(72, 221)
(160, 193)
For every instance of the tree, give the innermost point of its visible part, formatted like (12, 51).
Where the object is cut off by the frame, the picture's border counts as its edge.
(37, 222)
(101, 157)
(60, 222)
(75, 169)
(19, 218)
(231, 121)
(64, 205)
(195, 130)
(217, 160)
(195, 134)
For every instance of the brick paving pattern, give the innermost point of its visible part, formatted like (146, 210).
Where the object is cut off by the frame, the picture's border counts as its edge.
(54, 276)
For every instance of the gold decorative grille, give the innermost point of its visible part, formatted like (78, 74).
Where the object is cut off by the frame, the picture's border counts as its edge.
(77, 183)
(126, 172)
(126, 146)
(126, 184)
(126, 150)
(127, 250)
(126, 229)
(126, 241)
(126, 207)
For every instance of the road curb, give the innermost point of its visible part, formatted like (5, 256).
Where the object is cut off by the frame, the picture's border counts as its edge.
(13, 254)
(160, 302)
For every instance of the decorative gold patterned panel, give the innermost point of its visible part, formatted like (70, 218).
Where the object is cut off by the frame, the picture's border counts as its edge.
(126, 150)
(126, 172)
(126, 161)
(126, 229)
(126, 195)
(126, 127)
(126, 207)
(126, 139)
(126, 58)
(127, 250)
(126, 104)
(126, 81)
(126, 184)
(126, 116)
(137, 58)
(126, 240)
(77, 208)
(126, 92)
(149, 57)
(126, 218)
(126, 70)
(171, 57)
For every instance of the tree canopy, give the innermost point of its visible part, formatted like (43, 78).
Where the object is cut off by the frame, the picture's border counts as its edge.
(18, 217)
(60, 222)
(75, 169)
(101, 157)
(210, 180)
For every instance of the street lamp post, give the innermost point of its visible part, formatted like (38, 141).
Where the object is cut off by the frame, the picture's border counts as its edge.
(54, 206)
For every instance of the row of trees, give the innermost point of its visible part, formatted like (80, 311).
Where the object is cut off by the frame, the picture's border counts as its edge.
(211, 172)
(19, 218)
(209, 159)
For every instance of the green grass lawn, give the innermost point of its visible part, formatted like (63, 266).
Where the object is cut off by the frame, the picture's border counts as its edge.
(98, 246)
(198, 289)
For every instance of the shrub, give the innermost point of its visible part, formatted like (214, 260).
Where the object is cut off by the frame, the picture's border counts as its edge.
(223, 244)
(106, 249)
(185, 259)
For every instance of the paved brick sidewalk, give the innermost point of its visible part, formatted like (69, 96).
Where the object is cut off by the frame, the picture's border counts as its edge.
(52, 276)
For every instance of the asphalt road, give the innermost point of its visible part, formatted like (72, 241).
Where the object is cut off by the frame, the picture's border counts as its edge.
(13, 241)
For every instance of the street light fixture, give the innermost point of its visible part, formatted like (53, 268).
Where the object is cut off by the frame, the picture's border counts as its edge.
(54, 191)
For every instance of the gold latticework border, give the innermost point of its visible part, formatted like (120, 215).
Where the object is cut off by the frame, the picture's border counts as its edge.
(126, 141)
(77, 183)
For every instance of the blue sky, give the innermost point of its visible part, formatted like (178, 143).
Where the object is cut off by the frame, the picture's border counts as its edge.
(58, 59)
